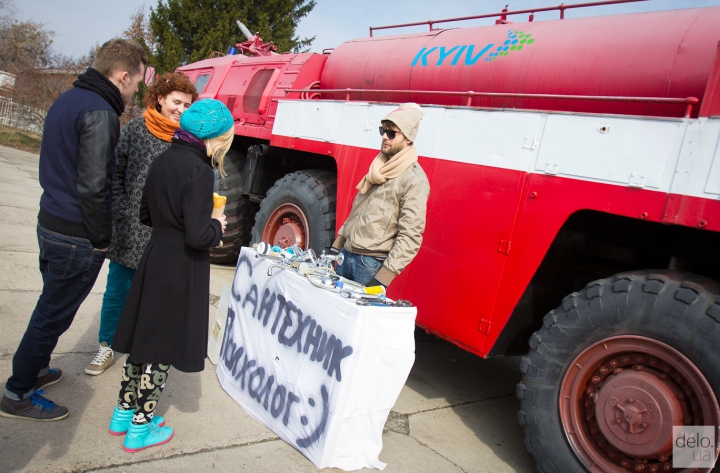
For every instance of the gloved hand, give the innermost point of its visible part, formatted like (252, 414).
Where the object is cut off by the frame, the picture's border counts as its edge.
(374, 282)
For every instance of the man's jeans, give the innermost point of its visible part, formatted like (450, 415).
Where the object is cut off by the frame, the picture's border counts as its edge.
(69, 267)
(359, 268)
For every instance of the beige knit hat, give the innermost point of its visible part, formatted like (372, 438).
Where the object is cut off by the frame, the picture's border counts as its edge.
(407, 118)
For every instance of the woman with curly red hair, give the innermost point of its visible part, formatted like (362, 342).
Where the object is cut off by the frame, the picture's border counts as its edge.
(141, 141)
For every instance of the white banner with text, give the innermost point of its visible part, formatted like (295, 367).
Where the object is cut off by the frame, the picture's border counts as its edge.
(318, 370)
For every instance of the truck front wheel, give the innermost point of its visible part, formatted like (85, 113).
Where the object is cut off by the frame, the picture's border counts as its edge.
(616, 366)
(298, 210)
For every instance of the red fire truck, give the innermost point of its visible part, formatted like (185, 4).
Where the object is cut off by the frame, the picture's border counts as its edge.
(574, 167)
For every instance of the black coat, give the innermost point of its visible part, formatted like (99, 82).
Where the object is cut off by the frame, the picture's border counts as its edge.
(165, 319)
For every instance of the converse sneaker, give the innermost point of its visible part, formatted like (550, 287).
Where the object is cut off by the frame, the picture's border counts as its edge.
(51, 377)
(142, 436)
(104, 359)
(35, 407)
(121, 421)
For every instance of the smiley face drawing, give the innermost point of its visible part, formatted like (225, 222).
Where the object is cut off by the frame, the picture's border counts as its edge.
(315, 435)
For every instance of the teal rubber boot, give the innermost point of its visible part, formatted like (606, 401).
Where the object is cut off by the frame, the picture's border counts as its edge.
(121, 421)
(142, 436)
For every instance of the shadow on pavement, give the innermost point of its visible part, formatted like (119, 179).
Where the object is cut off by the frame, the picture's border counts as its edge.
(481, 393)
(182, 391)
(24, 441)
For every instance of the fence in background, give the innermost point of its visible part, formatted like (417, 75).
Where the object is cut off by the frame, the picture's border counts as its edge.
(21, 117)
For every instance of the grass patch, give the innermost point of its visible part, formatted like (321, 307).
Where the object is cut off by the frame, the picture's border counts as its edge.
(21, 140)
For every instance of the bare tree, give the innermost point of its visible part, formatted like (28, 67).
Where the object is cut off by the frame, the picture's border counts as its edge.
(37, 89)
(24, 51)
(24, 46)
(7, 12)
(139, 30)
(41, 74)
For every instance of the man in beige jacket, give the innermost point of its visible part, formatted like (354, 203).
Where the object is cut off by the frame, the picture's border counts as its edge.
(383, 232)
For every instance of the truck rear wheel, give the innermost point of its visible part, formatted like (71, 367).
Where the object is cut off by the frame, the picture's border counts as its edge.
(240, 212)
(299, 209)
(615, 367)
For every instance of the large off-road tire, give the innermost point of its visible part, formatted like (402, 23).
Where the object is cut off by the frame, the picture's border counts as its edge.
(299, 209)
(615, 366)
(240, 212)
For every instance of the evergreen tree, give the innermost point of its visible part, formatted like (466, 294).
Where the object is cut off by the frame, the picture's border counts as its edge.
(190, 30)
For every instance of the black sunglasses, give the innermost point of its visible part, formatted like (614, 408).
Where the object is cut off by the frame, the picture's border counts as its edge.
(390, 133)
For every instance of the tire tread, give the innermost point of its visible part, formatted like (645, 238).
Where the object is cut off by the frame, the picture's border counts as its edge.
(239, 210)
(317, 190)
(679, 309)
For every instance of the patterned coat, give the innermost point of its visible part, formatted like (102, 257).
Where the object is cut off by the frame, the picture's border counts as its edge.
(136, 150)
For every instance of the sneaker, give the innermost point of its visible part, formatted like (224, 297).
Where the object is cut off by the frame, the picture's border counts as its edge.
(35, 407)
(52, 377)
(121, 420)
(104, 359)
(142, 436)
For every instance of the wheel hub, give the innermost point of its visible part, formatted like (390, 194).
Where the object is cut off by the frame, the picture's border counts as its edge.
(289, 234)
(287, 226)
(636, 412)
(621, 397)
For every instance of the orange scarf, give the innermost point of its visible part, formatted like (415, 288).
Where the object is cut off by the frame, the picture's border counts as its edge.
(162, 128)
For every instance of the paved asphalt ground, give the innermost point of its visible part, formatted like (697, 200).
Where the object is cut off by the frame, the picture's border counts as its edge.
(456, 412)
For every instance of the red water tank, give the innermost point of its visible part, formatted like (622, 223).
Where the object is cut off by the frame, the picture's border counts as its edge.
(655, 54)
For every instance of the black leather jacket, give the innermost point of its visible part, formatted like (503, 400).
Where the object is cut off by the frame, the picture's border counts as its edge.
(76, 162)
(96, 144)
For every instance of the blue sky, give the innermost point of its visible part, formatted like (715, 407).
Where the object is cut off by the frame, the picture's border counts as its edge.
(80, 24)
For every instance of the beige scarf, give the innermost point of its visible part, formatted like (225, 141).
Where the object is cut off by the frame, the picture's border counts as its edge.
(383, 168)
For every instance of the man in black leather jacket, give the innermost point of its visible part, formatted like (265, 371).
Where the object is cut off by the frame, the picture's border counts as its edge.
(74, 223)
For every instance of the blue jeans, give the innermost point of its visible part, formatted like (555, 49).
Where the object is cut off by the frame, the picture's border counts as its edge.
(359, 268)
(118, 285)
(69, 267)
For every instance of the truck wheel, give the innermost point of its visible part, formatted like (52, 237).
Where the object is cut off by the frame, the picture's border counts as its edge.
(299, 209)
(240, 212)
(615, 367)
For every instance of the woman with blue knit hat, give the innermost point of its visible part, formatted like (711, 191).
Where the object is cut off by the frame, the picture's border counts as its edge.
(165, 319)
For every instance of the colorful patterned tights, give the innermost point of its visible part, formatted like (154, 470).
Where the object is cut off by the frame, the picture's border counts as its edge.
(140, 388)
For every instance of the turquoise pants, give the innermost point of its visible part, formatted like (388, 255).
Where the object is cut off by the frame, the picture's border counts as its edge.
(116, 291)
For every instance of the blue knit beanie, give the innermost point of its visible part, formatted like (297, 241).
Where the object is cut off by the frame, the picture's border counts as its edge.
(206, 119)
